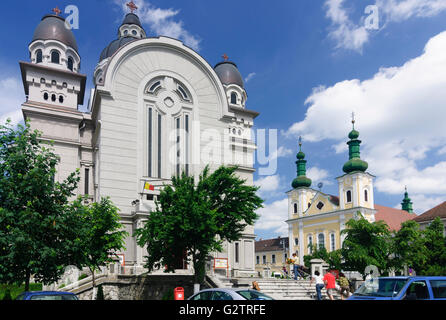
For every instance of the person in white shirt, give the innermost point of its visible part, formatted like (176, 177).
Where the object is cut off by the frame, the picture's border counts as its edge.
(319, 284)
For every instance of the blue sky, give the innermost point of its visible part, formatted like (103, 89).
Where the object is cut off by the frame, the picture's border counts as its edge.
(311, 63)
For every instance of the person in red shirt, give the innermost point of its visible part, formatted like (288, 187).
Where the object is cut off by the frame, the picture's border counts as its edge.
(330, 284)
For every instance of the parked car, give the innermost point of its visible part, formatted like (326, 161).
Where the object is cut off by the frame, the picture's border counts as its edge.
(229, 294)
(402, 288)
(47, 295)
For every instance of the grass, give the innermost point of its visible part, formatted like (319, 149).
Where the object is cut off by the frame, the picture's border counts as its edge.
(16, 290)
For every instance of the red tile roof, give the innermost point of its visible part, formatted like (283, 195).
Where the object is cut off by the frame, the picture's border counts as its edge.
(270, 245)
(438, 211)
(393, 217)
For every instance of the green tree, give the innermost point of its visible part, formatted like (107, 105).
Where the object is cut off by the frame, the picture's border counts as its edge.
(366, 244)
(333, 258)
(435, 243)
(100, 233)
(408, 247)
(192, 219)
(36, 235)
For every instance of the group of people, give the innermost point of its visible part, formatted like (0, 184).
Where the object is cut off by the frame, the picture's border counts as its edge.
(329, 282)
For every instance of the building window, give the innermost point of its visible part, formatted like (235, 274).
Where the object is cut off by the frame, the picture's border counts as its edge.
(150, 134)
(39, 56)
(366, 195)
(320, 205)
(321, 241)
(234, 98)
(332, 242)
(295, 208)
(45, 96)
(42, 80)
(264, 259)
(237, 253)
(349, 196)
(53, 98)
(186, 124)
(134, 32)
(296, 241)
(70, 63)
(87, 181)
(55, 57)
(285, 257)
(310, 244)
(61, 99)
(159, 145)
(273, 258)
(258, 260)
(178, 166)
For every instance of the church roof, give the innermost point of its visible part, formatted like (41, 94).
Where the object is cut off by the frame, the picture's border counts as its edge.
(132, 18)
(438, 211)
(393, 217)
(114, 46)
(52, 27)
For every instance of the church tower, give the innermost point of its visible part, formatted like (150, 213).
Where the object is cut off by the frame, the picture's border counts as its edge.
(356, 185)
(407, 204)
(54, 89)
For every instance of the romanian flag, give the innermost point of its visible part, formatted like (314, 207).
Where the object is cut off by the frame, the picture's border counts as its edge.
(149, 187)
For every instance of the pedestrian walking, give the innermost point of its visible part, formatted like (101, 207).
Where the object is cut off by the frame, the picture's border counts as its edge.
(330, 284)
(344, 286)
(296, 267)
(319, 284)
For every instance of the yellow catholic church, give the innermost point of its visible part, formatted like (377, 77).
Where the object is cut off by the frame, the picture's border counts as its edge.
(316, 218)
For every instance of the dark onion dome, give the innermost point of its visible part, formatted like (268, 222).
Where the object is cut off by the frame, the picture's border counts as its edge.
(228, 73)
(114, 46)
(132, 18)
(52, 27)
(354, 163)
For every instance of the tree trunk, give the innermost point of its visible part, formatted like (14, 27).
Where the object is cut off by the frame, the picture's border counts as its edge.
(28, 275)
(94, 284)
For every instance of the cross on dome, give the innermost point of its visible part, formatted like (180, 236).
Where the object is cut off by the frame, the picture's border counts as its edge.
(132, 6)
(56, 11)
(225, 57)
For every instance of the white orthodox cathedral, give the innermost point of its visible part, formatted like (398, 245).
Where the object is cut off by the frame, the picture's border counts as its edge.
(157, 109)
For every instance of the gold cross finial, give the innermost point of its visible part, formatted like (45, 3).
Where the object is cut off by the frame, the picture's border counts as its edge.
(353, 119)
(300, 143)
(225, 57)
(56, 11)
(132, 6)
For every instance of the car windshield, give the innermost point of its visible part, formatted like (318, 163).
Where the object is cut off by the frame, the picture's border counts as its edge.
(54, 297)
(381, 287)
(253, 295)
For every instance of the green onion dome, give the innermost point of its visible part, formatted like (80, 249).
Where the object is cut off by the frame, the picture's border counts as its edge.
(354, 163)
(301, 180)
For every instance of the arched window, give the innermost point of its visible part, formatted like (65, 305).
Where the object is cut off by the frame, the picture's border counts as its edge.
(332, 242)
(53, 98)
(234, 98)
(55, 57)
(349, 196)
(61, 99)
(321, 240)
(296, 241)
(366, 195)
(45, 96)
(310, 244)
(70, 63)
(295, 208)
(39, 56)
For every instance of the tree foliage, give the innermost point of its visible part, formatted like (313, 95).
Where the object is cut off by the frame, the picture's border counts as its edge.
(193, 218)
(366, 244)
(36, 235)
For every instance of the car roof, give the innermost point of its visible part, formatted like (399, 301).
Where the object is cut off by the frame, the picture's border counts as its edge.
(48, 293)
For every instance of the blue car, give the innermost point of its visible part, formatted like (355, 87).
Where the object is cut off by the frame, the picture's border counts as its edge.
(47, 295)
(402, 288)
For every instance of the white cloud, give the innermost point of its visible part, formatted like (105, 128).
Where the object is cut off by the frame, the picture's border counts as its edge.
(268, 183)
(162, 23)
(347, 34)
(318, 175)
(11, 98)
(272, 218)
(400, 115)
(400, 10)
(250, 77)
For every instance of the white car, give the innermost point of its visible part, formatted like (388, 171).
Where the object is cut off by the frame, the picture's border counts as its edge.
(229, 294)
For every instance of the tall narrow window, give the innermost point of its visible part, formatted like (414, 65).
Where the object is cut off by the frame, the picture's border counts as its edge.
(186, 154)
(70, 63)
(273, 258)
(349, 196)
(234, 98)
(264, 259)
(332, 242)
(295, 208)
(178, 147)
(150, 146)
(55, 57)
(87, 181)
(159, 145)
(39, 56)
(237, 253)
(310, 244)
(366, 196)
